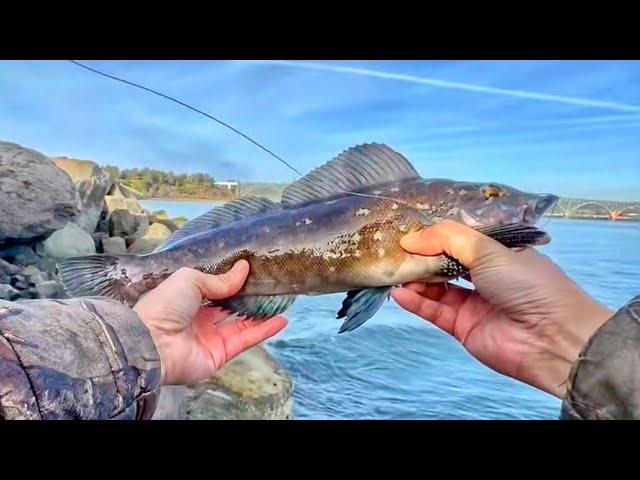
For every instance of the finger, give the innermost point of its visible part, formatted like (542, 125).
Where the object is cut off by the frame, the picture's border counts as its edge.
(455, 239)
(446, 293)
(217, 287)
(441, 315)
(249, 333)
(213, 314)
(434, 291)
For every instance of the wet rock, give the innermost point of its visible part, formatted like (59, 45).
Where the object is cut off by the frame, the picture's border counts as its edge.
(68, 242)
(92, 184)
(36, 197)
(250, 387)
(124, 223)
(155, 236)
(114, 245)
(7, 292)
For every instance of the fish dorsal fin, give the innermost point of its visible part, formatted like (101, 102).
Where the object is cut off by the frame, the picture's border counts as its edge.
(227, 213)
(356, 168)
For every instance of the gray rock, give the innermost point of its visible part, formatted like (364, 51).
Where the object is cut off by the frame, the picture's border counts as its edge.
(98, 237)
(49, 289)
(119, 190)
(36, 197)
(250, 387)
(18, 282)
(114, 245)
(92, 184)
(103, 223)
(33, 275)
(113, 203)
(155, 236)
(8, 268)
(22, 255)
(68, 242)
(7, 292)
(124, 223)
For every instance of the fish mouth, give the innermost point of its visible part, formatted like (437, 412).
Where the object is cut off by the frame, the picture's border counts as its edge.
(538, 206)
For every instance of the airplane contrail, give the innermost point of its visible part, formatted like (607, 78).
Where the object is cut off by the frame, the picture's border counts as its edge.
(585, 102)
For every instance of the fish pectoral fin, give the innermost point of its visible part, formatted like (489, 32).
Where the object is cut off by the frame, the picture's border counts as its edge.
(360, 306)
(258, 307)
(516, 235)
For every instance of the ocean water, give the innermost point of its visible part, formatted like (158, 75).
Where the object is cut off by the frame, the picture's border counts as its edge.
(398, 366)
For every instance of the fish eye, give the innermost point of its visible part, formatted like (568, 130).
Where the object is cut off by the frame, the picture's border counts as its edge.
(492, 191)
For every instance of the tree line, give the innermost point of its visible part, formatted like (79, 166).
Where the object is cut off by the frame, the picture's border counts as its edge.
(159, 184)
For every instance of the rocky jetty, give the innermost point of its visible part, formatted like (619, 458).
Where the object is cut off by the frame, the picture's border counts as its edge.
(55, 208)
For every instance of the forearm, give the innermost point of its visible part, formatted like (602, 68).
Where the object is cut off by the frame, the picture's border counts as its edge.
(76, 359)
(604, 382)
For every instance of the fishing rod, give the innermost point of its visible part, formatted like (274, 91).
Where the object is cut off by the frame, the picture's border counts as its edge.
(186, 105)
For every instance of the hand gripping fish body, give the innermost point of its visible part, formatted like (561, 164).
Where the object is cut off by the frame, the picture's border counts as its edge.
(337, 229)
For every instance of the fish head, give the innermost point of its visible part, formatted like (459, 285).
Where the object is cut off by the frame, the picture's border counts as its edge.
(478, 204)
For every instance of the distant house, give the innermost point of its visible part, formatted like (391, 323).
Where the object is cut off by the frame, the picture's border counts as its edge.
(231, 186)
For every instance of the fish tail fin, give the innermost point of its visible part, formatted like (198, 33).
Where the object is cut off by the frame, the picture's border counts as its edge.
(99, 275)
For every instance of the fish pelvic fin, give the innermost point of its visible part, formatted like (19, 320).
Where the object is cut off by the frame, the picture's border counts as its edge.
(258, 307)
(99, 275)
(360, 306)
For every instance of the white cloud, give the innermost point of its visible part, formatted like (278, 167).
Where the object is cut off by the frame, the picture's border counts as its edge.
(585, 102)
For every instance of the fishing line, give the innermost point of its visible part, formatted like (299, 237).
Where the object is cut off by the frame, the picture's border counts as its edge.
(235, 130)
(113, 77)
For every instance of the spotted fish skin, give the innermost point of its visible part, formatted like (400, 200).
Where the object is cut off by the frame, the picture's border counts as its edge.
(337, 230)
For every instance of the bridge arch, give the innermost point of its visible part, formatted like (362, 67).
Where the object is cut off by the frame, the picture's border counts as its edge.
(599, 205)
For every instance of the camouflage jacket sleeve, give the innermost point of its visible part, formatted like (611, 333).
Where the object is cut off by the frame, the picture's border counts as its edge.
(87, 358)
(604, 382)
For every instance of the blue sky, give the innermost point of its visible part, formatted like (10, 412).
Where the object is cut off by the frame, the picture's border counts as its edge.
(566, 127)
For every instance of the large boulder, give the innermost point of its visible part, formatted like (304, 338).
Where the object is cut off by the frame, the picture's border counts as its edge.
(36, 197)
(92, 184)
(250, 387)
(155, 236)
(68, 242)
(113, 203)
(114, 245)
(120, 190)
(123, 223)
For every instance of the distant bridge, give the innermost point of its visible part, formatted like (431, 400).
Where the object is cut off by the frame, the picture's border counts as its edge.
(589, 208)
(566, 207)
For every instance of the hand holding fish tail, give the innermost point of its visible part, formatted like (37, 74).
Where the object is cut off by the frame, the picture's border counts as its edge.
(191, 340)
(525, 318)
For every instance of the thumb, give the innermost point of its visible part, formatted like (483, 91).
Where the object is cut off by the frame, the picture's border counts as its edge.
(218, 287)
(463, 243)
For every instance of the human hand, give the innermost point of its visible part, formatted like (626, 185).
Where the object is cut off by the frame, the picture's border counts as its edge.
(526, 318)
(191, 342)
